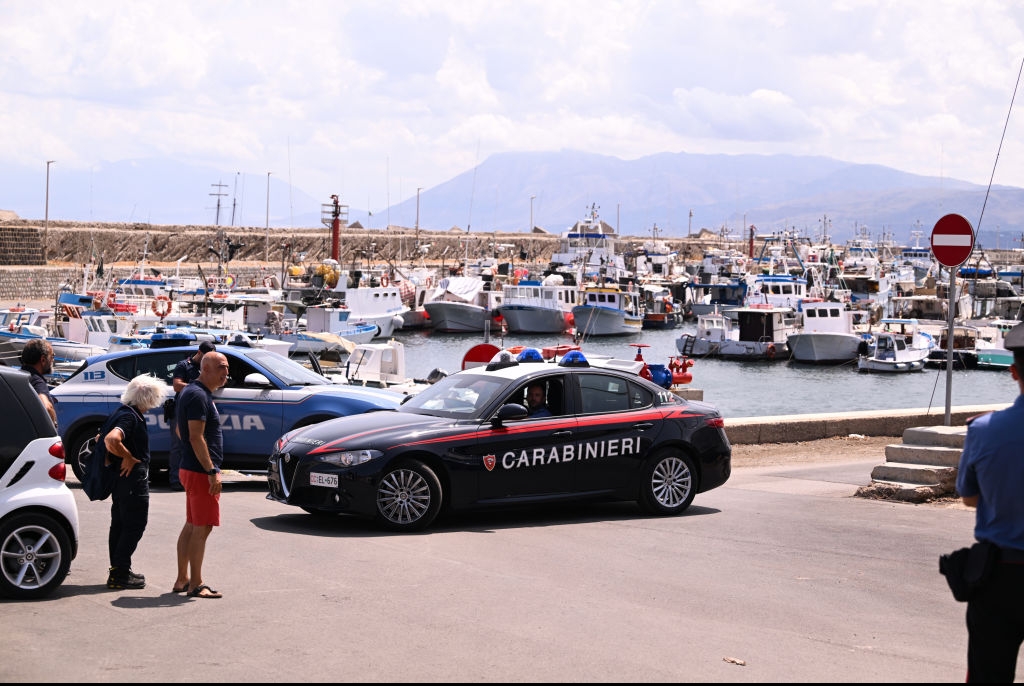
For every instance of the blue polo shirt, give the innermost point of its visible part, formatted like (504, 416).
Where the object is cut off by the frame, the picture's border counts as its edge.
(196, 402)
(992, 468)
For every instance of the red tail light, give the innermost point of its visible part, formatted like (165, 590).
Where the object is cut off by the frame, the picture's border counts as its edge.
(58, 472)
(716, 422)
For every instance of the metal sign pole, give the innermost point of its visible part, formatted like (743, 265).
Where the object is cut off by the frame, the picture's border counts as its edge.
(949, 346)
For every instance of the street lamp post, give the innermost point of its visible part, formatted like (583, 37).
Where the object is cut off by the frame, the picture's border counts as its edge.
(689, 225)
(46, 211)
(531, 212)
(266, 249)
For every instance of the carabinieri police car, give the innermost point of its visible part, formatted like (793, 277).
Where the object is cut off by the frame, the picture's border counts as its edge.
(266, 395)
(467, 441)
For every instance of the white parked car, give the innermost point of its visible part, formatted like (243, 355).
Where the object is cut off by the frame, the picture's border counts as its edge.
(38, 514)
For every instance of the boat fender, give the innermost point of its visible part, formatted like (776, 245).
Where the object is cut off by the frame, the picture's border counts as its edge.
(770, 352)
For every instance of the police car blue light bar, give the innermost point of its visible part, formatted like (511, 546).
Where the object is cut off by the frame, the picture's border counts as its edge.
(574, 358)
(529, 355)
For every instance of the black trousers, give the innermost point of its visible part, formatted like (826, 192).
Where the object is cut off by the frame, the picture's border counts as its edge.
(129, 514)
(995, 626)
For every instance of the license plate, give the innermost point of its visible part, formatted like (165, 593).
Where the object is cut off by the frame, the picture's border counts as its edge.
(328, 480)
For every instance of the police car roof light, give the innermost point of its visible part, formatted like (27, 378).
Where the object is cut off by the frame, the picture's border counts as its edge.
(574, 358)
(503, 359)
(530, 355)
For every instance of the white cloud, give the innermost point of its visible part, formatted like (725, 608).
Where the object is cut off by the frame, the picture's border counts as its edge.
(351, 96)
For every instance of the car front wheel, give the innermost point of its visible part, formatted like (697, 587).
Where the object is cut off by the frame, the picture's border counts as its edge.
(669, 484)
(35, 556)
(408, 496)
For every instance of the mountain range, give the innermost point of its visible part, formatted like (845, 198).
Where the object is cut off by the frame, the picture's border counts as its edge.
(670, 194)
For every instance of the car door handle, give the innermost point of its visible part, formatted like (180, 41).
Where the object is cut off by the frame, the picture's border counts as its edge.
(643, 426)
(560, 434)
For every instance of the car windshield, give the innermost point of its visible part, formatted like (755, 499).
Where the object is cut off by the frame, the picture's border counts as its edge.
(290, 373)
(460, 396)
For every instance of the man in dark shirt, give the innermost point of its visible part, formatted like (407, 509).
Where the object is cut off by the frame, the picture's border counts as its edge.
(185, 372)
(536, 401)
(198, 424)
(37, 360)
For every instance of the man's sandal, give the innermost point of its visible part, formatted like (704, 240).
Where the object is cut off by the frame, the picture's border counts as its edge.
(204, 591)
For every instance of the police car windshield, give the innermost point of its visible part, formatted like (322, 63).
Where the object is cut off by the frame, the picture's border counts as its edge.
(460, 396)
(290, 373)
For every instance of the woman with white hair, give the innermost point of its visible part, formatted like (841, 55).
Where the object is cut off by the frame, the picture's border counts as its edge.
(128, 441)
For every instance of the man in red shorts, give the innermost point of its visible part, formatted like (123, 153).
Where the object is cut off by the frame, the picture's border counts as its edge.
(202, 453)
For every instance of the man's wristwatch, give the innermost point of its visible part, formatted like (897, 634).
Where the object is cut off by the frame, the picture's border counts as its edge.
(211, 472)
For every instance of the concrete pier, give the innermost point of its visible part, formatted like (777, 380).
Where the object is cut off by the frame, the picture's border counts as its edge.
(810, 427)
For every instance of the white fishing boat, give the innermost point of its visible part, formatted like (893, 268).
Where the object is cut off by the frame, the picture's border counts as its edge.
(533, 306)
(830, 334)
(607, 309)
(372, 298)
(897, 346)
(20, 324)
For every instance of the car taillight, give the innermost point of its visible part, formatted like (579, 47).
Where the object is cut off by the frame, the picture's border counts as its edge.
(716, 422)
(57, 450)
(58, 472)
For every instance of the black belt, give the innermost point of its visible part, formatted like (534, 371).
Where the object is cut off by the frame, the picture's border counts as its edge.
(1011, 556)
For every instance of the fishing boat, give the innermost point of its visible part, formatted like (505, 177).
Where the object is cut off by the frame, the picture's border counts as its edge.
(608, 309)
(829, 334)
(533, 306)
(973, 347)
(465, 304)
(759, 332)
(20, 324)
(661, 310)
(899, 345)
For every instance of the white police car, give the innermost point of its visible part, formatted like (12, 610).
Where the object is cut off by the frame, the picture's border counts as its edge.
(468, 441)
(266, 395)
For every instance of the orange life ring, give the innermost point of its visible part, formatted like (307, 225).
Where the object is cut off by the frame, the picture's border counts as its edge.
(430, 282)
(161, 306)
(268, 281)
(384, 281)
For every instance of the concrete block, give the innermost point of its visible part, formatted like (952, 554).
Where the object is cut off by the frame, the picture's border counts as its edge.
(945, 436)
(922, 475)
(923, 455)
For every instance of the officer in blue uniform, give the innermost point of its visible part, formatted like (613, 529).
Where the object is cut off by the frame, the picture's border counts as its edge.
(991, 479)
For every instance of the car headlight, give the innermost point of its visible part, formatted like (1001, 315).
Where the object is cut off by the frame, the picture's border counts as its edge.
(350, 458)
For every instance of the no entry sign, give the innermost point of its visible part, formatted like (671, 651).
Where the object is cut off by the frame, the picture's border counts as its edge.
(952, 240)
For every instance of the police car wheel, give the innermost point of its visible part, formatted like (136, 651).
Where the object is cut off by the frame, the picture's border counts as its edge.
(669, 483)
(79, 449)
(35, 556)
(408, 496)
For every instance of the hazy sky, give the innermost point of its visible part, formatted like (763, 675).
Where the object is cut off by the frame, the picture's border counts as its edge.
(372, 99)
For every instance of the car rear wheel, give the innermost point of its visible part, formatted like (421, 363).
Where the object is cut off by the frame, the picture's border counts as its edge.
(35, 556)
(81, 446)
(408, 496)
(669, 484)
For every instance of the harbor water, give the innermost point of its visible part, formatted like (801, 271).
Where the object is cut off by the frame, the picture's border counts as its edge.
(745, 389)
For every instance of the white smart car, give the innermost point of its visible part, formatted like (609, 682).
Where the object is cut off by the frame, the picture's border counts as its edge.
(38, 514)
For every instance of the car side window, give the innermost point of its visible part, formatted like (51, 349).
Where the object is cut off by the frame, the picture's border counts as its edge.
(639, 397)
(603, 393)
(160, 365)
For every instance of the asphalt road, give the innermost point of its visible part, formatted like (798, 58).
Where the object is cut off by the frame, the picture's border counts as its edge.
(780, 575)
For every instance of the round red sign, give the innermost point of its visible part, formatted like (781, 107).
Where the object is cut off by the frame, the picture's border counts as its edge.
(952, 240)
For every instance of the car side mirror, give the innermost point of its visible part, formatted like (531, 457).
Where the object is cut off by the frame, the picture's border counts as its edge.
(509, 412)
(256, 379)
